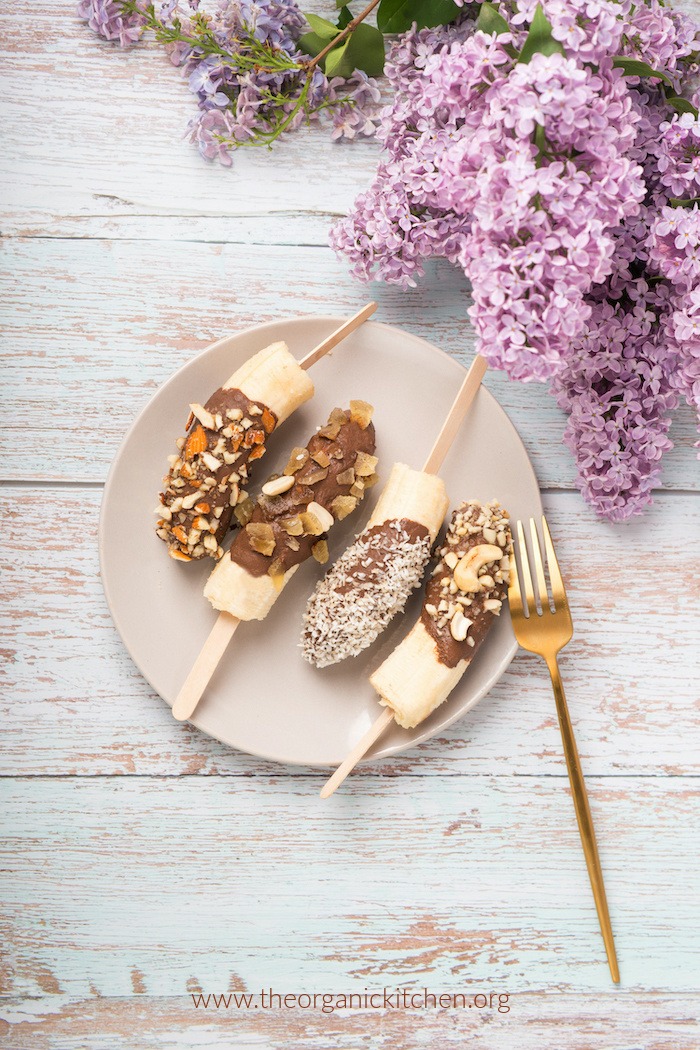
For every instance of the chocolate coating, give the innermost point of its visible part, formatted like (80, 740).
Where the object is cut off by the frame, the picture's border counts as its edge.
(342, 450)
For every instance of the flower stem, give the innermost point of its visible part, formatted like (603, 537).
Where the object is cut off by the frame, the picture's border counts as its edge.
(350, 28)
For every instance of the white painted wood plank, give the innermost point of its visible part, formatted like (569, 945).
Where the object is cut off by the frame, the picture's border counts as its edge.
(74, 703)
(623, 1020)
(92, 328)
(210, 883)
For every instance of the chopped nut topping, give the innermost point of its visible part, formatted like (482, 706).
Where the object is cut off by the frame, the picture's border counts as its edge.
(205, 417)
(276, 486)
(322, 514)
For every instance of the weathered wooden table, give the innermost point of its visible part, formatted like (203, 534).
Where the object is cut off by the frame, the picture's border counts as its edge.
(143, 862)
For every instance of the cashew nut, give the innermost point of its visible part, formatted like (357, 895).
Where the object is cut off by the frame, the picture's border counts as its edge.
(465, 574)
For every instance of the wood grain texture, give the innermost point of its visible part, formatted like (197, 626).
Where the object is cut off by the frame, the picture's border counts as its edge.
(141, 861)
(208, 881)
(74, 703)
(628, 1021)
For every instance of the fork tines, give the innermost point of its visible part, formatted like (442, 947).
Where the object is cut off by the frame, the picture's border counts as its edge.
(540, 602)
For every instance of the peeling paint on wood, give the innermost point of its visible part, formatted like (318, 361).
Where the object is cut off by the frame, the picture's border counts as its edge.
(142, 862)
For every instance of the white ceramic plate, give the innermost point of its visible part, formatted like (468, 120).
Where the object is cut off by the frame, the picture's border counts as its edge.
(264, 698)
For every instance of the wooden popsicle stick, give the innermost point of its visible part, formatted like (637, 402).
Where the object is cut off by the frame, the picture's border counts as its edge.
(460, 407)
(448, 432)
(359, 750)
(338, 335)
(204, 666)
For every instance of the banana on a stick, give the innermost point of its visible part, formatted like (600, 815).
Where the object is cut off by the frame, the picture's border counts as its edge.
(224, 437)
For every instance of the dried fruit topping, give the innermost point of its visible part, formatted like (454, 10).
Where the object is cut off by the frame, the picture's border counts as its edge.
(298, 457)
(361, 413)
(311, 524)
(365, 464)
(292, 525)
(347, 477)
(314, 476)
(320, 552)
(244, 511)
(261, 537)
(342, 506)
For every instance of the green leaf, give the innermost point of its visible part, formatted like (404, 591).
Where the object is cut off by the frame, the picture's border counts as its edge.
(336, 63)
(311, 43)
(363, 49)
(489, 20)
(367, 50)
(396, 16)
(682, 105)
(539, 40)
(683, 202)
(340, 4)
(326, 30)
(344, 18)
(633, 68)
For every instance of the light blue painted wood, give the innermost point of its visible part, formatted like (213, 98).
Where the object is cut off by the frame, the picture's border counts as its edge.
(436, 881)
(74, 703)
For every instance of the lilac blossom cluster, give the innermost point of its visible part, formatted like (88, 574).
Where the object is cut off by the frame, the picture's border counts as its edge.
(241, 102)
(553, 180)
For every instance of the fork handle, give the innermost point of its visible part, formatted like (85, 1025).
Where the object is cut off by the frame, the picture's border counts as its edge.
(583, 816)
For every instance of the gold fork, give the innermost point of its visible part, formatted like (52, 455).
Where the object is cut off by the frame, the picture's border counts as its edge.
(541, 631)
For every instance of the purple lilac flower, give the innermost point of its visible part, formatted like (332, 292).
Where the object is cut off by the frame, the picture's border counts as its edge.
(358, 115)
(237, 103)
(674, 245)
(107, 19)
(616, 389)
(678, 160)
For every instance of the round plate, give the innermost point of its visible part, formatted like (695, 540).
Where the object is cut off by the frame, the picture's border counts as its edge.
(264, 698)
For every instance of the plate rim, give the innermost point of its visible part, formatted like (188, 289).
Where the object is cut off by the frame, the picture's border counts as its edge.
(415, 736)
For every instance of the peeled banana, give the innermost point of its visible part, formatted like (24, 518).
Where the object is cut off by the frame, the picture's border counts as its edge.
(321, 484)
(463, 596)
(372, 580)
(224, 437)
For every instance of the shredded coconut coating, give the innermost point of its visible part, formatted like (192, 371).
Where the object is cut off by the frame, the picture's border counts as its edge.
(368, 585)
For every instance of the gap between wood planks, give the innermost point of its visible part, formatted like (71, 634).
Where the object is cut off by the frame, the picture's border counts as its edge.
(363, 772)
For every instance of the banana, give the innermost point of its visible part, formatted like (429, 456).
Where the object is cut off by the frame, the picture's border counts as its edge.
(286, 526)
(412, 681)
(463, 596)
(412, 495)
(232, 589)
(274, 378)
(224, 437)
(372, 580)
